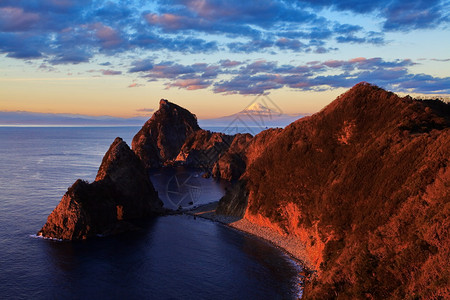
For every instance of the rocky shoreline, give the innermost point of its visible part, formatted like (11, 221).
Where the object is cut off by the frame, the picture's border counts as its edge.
(290, 245)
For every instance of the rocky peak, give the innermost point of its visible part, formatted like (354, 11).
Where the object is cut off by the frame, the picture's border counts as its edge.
(117, 153)
(163, 102)
(121, 192)
(362, 184)
(160, 139)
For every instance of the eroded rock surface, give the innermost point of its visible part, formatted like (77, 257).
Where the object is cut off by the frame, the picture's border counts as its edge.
(160, 139)
(365, 185)
(121, 192)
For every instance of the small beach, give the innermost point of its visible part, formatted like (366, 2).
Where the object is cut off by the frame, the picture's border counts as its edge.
(289, 244)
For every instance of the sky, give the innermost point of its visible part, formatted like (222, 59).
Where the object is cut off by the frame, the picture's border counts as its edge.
(214, 57)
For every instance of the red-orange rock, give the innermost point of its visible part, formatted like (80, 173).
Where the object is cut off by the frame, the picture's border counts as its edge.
(160, 139)
(122, 191)
(365, 184)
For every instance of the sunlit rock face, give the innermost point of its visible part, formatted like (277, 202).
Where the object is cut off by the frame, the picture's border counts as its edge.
(160, 139)
(121, 192)
(365, 185)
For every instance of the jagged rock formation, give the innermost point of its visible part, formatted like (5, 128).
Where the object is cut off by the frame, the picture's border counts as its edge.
(365, 184)
(234, 202)
(122, 191)
(160, 139)
(203, 148)
(173, 137)
(242, 152)
(231, 164)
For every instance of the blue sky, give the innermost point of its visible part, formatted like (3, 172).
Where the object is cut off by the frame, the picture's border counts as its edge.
(120, 57)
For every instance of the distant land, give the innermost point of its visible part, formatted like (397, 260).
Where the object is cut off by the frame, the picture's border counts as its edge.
(24, 118)
(255, 115)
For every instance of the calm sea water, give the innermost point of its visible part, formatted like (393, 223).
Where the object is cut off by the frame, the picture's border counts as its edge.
(173, 257)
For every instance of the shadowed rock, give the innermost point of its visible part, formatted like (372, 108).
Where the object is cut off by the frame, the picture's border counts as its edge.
(231, 164)
(122, 191)
(203, 148)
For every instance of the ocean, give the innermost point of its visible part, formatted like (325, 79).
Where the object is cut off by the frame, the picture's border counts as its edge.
(172, 257)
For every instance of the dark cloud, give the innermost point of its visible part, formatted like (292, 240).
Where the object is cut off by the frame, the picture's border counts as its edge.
(53, 27)
(73, 56)
(397, 15)
(408, 15)
(261, 76)
(76, 31)
(229, 63)
(295, 45)
(16, 19)
(251, 46)
(141, 66)
(111, 72)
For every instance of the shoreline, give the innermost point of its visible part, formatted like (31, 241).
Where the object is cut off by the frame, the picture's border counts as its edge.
(289, 245)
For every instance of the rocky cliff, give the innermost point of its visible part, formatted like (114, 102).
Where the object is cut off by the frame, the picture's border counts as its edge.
(203, 148)
(365, 185)
(173, 137)
(160, 139)
(122, 191)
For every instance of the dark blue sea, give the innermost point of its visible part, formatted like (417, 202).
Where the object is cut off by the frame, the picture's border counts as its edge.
(172, 257)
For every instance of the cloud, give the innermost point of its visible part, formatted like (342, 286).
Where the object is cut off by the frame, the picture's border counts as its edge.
(173, 71)
(145, 110)
(441, 60)
(111, 72)
(405, 16)
(16, 19)
(141, 66)
(74, 56)
(262, 76)
(80, 31)
(190, 84)
(396, 15)
(54, 27)
(229, 63)
(134, 85)
(107, 36)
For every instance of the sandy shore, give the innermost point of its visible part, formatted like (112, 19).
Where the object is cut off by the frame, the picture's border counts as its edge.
(289, 244)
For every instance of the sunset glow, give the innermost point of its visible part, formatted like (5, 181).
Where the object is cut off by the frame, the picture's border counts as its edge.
(119, 57)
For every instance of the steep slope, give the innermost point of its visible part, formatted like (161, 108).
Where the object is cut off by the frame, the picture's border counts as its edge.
(121, 191)
(365, 184)
(160, 139)
(202, 148)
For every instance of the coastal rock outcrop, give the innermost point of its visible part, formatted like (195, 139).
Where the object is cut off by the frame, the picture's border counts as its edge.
(365, 185)
(242, 152)
(172, 137)
(160, 139)
(231, 164)
(203, 148)
(121, 192)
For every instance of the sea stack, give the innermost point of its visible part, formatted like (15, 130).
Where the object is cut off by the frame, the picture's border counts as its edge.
(121, 192)
(160, 139)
